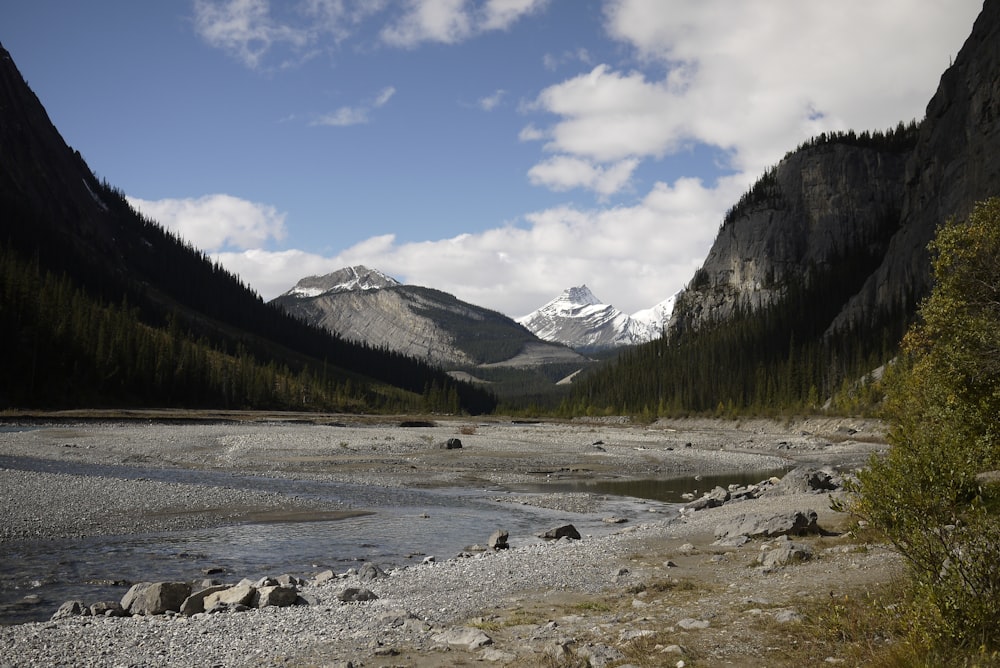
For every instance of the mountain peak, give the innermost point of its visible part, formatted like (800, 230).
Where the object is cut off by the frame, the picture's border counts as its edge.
(578, 319)
(357, 277)
(576, 296)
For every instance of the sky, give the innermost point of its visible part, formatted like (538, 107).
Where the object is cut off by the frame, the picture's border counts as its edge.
(498, 150)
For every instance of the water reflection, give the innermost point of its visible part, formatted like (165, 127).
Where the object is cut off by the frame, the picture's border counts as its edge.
(668, 490)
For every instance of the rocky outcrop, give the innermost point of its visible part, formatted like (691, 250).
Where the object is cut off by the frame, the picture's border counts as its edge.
(873, 203)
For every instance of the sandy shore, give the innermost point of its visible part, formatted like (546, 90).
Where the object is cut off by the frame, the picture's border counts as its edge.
(545, 586)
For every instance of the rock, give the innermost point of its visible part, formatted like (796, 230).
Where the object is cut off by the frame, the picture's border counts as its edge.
(599, 656)
(356, 595)
(498, 540)
(241, 594)
(107, 609)
(712, 499)
(452, 444)
(369, 572)
(808, 480)
(195, 603)
(156, 598)
(787, 616)
(565, 531)
(325, 576)
(689, 624)
(795, 523)
(614, 520)
(494, 655)
(286, 580)
(70, 609)
(279, 596)
(784, 553)
(466, 637)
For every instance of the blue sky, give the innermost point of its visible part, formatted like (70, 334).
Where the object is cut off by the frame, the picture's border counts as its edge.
(499, 150)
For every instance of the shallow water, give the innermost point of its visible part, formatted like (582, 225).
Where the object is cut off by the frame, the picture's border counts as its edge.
(402, 527)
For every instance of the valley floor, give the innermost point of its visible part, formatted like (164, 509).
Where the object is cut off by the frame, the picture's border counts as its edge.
(653, 591)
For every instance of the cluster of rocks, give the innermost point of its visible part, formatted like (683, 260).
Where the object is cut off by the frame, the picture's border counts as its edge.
(211, 596)
(188, 599)
(798, 480)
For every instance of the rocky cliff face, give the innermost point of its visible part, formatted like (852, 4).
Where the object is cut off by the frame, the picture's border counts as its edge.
(843, 199)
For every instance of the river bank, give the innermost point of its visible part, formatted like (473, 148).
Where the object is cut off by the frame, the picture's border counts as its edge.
(534, 601)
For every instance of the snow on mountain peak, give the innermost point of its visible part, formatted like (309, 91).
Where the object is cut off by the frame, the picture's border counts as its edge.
(358, 277)
(578, 319)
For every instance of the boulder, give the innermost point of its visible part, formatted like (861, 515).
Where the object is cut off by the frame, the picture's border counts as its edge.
(498, 540)
(155, 598)
(795, 523)
(452, 444)
(325, 576)
(786, 552)
(805, 479)
(107, 609)
(565, 531)
(241, 594)
(369, 572)
(195, 603)
(277, 595)
(712, 499)
(356, 595)
(70, 609)
(466, 637)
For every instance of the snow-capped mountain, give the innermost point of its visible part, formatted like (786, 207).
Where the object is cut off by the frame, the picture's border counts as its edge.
(358, 277)
(365, 305)
(578, 319)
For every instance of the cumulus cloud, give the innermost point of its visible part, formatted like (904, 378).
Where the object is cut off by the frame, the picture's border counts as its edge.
(215, 222)
(753, 79)
(627, 255)
(565, 172)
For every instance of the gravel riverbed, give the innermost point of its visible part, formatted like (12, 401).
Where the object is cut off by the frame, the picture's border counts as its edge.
(535, 602)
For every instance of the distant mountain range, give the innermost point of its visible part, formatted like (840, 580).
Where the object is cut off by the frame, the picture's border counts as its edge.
(578, 319)
(365, 305)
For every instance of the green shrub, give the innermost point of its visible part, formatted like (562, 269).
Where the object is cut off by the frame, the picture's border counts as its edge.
(943, 406)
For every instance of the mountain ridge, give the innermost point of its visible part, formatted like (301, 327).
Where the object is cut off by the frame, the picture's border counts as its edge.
(422, 322)
(578, 319)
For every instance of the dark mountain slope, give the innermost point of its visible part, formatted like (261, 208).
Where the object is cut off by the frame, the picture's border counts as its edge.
(61, 227)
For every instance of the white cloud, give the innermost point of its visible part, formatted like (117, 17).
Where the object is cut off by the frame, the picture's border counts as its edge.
(632, 256)
(753, 79)
(563, 172)
(490, 102)
(347, 115)
(453, 21)
(214, 222)
(250, 30)
(530, 133)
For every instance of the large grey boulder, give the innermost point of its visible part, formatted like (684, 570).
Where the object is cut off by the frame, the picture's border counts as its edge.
(155, 598)
(784, 553)
(279, 596)
(241, 594)
(195, 603)
(753, 525)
